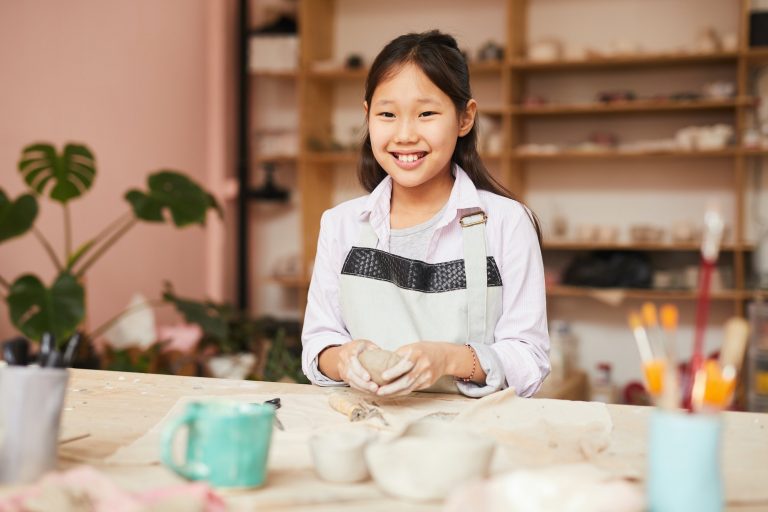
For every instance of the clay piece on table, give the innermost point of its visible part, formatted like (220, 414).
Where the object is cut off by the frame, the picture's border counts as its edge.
(376, 361)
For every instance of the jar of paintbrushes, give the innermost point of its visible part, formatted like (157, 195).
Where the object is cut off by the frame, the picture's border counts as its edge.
(686, 426)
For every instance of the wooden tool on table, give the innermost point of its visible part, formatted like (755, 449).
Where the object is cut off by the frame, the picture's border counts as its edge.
(355, 408)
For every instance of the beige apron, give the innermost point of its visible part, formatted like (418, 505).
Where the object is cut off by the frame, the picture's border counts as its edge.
(394, 301)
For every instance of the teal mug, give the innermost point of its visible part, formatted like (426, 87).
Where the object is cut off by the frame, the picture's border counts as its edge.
(227, 443)
(684, 462)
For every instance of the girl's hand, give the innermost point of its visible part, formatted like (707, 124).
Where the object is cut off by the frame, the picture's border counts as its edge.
(422, 365)
(350, 369)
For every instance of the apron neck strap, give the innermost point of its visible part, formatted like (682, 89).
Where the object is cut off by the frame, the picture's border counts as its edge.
(476, 271)
(367, 236)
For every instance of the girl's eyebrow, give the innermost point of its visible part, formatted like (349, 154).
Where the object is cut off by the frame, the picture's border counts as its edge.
(431, 101)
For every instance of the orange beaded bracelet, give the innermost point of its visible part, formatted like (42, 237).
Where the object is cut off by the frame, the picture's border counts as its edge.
(474, 365)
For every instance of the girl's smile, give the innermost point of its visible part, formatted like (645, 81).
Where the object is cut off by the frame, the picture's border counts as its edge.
(409, 161)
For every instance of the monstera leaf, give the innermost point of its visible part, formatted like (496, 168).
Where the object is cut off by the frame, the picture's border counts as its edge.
(16, 217)
(186, 201)
(71, 172)
(36, 309)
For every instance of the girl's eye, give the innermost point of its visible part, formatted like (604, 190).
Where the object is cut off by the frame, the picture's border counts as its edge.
(427, 113)
(388, 115)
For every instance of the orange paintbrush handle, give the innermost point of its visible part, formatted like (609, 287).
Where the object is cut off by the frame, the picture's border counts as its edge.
(654, 376)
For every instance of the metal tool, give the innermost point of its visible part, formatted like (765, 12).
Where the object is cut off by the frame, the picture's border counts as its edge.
(16, 351)
(71, 349)
(275, 402)
(47, 345)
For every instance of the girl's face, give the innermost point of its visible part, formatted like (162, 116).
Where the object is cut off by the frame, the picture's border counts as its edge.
(413, 127)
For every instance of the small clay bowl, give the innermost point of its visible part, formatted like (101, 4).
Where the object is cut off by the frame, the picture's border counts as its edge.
(424, 468)
(339, 456)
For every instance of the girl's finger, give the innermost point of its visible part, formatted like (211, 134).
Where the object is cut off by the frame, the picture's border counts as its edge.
(399, 385)
(401, 368)
(357, 368)
(361, 385)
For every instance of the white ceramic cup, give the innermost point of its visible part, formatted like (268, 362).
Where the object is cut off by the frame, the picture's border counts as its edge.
(339, 456)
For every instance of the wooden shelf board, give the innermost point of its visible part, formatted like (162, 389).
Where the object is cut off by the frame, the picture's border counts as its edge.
(586, 246)
(658, 59)
(642, 294)
(754, 152)
(493, 111)
(274, 74)
(619, 154)
(639, 106)
(280, 159)
(757, 55)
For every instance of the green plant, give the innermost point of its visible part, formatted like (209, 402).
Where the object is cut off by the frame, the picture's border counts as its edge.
(283, 362)
(230, 331)
(225, 328)
(64, 176)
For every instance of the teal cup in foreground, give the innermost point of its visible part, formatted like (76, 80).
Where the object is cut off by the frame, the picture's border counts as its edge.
(684, 462)
(227, 443)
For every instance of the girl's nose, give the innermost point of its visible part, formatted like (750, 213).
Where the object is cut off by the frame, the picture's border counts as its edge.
(406, 133)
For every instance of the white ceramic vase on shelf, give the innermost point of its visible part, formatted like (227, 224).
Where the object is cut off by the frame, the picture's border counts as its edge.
(232, 366)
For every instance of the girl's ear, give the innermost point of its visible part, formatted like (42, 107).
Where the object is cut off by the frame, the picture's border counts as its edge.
(365, 107)
(467, 118)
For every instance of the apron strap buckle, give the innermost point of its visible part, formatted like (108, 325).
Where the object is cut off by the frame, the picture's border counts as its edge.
(473, 219)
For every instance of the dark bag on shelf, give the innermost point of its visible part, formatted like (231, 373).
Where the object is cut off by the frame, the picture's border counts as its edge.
(610, 269)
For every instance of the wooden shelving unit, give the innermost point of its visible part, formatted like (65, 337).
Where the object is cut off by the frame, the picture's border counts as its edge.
(315, 109)
(632, 61)
(636, 106)
(640, 294)
(584, 246)
(635, 155)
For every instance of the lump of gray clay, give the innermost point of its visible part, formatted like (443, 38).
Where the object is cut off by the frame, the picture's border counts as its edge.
(376, 361)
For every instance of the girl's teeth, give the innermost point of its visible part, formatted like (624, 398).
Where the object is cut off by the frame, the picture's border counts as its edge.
(408, 158)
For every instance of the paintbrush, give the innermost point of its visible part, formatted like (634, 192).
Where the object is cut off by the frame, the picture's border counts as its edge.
(651, 322)
(710, 248)
(670, 394)
(653, 368)
(732, 353)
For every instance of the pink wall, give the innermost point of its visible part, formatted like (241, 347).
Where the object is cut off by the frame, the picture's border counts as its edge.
(129, 79)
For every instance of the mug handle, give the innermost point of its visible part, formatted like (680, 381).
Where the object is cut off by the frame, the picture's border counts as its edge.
(189, 471)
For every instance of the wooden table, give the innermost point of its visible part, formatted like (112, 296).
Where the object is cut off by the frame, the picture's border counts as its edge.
(116, 409)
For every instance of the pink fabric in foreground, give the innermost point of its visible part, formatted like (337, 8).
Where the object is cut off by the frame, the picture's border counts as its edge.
(85, 488)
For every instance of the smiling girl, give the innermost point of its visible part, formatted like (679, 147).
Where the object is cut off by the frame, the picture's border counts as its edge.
(438, 263)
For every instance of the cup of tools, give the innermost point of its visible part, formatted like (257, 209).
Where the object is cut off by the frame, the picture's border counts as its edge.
(31, 401)
(32, 389)
(684, 462)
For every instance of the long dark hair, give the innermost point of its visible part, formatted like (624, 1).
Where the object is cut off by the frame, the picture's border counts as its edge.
(438, 56)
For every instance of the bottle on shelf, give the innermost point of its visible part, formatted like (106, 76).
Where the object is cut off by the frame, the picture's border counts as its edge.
(603, 389)
(563, 350)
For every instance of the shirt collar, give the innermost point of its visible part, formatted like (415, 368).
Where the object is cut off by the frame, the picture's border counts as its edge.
(463, 197)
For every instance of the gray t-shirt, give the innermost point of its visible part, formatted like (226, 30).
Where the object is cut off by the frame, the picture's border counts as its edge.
(413, 242)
